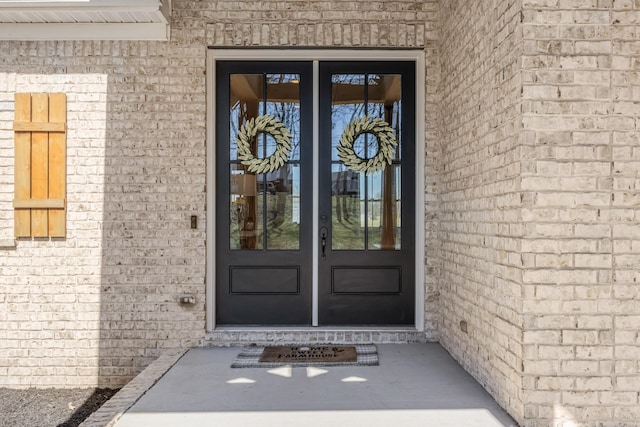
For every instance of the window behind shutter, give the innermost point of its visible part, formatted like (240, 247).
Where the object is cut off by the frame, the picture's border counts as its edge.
(40, 164)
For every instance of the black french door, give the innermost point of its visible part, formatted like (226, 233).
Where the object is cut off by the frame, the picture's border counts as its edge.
(263, 217)
(265, 232)
(366, 270)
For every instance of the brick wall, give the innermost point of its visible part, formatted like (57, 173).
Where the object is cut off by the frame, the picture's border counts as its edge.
(531, 205)
(50, 290)
(480, 201)
(539, 254)
(98, 306)
(580, 249)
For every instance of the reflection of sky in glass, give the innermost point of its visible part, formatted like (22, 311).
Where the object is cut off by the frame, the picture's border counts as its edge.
(233, 130)
(353, 97)
(350, 103)
(265, 209)
(342, 115)
(286, 109)
(273, 79)
(289, 114)
(355, 79)
(282, 103)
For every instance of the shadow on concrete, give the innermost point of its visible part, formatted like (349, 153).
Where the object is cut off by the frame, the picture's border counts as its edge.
(415, 384)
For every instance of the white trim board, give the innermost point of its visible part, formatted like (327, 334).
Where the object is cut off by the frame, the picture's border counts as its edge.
(82, 31)
(316, 186)
(320, 55)
(85, 20)
(79, 4)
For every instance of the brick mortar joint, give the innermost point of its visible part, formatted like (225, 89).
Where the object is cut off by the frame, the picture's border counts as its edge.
(326, 21)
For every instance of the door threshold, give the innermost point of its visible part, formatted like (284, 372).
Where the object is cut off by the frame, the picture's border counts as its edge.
(267, 335)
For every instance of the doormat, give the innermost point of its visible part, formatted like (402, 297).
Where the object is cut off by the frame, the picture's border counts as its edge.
(312, 355)
(321, 354)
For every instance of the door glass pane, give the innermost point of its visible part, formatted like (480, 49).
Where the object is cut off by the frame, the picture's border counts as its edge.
(347, 96)
(283, 102)
(348, 205)
(246, 98)
(245, 210)
(384, 209)
(265, 202)
(377, 199)
(384, 101)
(283, 208)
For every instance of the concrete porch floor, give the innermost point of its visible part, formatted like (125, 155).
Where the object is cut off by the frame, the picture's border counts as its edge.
(415, 385)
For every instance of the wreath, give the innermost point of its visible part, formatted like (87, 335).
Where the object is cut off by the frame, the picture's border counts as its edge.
(271, 126)
(386, 145)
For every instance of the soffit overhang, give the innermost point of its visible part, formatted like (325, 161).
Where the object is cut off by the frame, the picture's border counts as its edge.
(85, 20)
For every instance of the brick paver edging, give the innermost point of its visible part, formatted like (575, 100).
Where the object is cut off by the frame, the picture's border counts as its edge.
(114, 408)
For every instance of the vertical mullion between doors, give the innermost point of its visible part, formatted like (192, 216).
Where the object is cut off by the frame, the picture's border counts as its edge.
(316, 190)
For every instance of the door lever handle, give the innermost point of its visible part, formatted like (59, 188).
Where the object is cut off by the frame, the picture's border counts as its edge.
(323, 242)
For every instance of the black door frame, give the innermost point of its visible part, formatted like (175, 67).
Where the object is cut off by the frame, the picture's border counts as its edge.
(214, 55)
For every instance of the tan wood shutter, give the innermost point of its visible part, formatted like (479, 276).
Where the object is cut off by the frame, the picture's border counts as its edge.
(40, 164)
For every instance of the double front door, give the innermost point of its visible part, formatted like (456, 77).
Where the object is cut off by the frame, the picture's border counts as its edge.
(315, 184)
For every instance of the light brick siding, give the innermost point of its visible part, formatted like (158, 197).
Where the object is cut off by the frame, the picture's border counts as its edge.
(50, 290)
(580, 250)
(532, 203)
(98, 306)
(539, 205)
(480, 200)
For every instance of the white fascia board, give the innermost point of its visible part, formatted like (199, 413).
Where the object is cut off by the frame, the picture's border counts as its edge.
(77, 31)
(81, 4)
(162, 9)
(159, 29)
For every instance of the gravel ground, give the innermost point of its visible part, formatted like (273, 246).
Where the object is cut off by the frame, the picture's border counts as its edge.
(49, 407)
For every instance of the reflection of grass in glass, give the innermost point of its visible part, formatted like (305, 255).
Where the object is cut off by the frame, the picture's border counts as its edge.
(282, 232)
(238, 211)
(375, 237)
(375, 224)
(347, 231)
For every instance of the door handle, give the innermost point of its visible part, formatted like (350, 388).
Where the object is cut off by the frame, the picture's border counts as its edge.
(323, 241)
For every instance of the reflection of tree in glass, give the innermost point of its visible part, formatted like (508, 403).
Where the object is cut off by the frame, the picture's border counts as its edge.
(347, 105)
(369, 212)
(265, 209)
(285, 107)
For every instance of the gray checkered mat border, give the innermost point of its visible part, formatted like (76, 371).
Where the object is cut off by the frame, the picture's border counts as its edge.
(367, 355)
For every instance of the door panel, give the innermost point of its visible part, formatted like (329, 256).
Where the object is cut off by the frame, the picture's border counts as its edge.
(257, 280)
(263, 217)
(366, 271)
(353, 281)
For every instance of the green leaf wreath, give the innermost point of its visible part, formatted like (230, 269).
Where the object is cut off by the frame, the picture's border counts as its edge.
(386, 145)
(250, 130)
